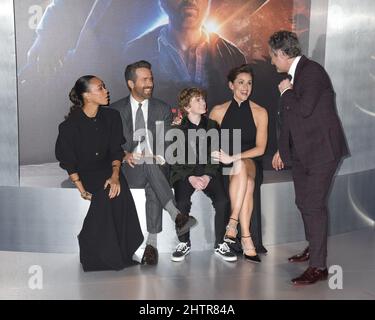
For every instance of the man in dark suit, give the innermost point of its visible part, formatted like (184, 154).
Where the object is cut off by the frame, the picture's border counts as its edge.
(145, 121)
(311, 141)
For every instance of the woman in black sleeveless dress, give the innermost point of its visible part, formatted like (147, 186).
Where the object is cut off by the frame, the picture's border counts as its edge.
(241, 157)
(89, 148)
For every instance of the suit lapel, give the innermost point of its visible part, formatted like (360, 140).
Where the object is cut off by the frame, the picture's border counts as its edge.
(128, 115)
(151, 114)
(299, 68)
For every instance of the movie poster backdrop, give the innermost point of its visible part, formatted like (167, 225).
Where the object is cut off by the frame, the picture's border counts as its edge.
(60, 40)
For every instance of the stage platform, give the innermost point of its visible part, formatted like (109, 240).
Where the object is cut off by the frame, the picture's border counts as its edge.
(45, 214)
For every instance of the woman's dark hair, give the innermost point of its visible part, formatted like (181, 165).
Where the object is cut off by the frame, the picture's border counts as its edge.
(245, 68)
(76, 94)
(287, 42)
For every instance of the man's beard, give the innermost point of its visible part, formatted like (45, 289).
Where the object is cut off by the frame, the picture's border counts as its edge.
(142, 93)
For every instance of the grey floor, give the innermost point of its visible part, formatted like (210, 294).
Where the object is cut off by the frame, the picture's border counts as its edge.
(201, 276)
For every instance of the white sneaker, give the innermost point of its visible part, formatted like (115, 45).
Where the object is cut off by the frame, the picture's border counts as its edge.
(181, 251)
(225, 253)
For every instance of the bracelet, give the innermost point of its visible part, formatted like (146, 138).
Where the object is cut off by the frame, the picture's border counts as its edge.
(74, 181)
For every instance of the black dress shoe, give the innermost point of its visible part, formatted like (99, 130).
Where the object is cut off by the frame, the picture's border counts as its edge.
(300, 257)
(310, 276)
(183, 223)
(150, 255)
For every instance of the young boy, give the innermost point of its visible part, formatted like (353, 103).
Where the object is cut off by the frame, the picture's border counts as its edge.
(188, 177)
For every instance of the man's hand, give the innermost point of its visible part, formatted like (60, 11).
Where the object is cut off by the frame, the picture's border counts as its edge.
(205, 180)
(277, 162)
(285, 84)
(199, 183)
(196, 182)
(132, 158)
(160, 160)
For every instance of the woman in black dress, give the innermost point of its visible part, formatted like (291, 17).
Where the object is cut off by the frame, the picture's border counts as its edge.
(89, 148)
(251, 119)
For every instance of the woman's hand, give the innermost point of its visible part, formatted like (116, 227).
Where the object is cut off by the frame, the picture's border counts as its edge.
(78, 183)
(115, 188)
(86, 195)
(222, 157)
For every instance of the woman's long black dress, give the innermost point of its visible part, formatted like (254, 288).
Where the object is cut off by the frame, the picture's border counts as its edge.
(111, 231)
(241, 117)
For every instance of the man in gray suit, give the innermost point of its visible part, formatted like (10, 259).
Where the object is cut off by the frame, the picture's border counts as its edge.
(143, 167)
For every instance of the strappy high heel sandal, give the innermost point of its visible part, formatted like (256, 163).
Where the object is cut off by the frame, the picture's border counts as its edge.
(255, 258)
(232, 227)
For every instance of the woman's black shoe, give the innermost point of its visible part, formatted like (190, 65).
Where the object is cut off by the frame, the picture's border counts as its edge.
(255, 259)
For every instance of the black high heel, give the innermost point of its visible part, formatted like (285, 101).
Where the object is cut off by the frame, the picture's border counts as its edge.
(230, 239)
(255, 258)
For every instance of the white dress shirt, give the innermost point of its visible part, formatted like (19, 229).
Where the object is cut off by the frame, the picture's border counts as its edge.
(292, 71)
(293, 67)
